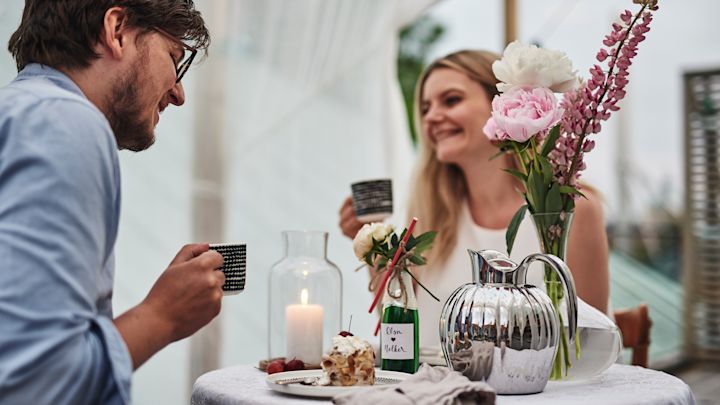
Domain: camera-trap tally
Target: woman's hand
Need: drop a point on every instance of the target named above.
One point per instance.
(349, 223)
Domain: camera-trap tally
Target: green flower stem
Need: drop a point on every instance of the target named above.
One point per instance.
(562, 356)
(519, 156)
(533, 148)
(555, 245)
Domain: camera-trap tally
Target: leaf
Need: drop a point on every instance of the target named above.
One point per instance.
(513, 227)
(550, 141)
(410, 243)
(553, 201)
(394, 240)
(417, 259)
(382, 262)
(424, 241)
(571, 190)
(391, 252)
(523, 146)
(402, 235)
(536, 191)
(379, 250)
(497, 155)
(547, 170)
(570, 205)
(522, 177)
(529, 195)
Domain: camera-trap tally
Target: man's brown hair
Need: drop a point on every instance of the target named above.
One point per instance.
(62, 33)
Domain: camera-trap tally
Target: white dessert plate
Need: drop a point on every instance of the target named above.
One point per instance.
(289, 383)
(432, 356)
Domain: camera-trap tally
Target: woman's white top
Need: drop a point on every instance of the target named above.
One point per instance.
(442, 280)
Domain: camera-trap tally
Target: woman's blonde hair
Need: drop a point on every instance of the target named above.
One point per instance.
(439, 189)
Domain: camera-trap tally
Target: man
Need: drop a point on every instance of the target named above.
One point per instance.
(94, 77)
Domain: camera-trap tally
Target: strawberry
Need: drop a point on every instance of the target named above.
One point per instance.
(277, 366)
(295, 364)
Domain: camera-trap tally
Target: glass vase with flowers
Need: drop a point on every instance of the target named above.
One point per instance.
(548, 139)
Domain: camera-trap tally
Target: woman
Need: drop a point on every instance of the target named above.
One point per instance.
(463, 194)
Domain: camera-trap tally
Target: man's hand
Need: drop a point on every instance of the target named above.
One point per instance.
(188, 294)
(185, 298)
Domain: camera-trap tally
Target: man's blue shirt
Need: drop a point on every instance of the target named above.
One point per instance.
(59, 213)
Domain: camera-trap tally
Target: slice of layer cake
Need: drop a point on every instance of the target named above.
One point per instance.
(351, 361)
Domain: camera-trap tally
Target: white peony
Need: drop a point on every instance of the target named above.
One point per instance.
(363, 241)
(530, 66)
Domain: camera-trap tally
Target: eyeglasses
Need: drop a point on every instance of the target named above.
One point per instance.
(182, 66)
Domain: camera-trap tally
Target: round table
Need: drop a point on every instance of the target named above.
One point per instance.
(619, 384)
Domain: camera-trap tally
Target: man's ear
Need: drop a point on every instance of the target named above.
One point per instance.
(114, 33)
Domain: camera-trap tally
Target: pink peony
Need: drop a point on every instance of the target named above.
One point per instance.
(490, 129)
(520, 113)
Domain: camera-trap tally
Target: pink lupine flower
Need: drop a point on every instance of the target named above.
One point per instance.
(593, 102)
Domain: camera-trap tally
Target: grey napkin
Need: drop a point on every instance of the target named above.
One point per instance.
(429, 386)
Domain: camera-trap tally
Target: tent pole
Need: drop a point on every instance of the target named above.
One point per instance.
(208, 179)
(510, 21)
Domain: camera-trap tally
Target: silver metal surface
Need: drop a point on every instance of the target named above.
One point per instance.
(501, 331)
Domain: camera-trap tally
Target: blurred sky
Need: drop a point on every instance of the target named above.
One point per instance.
(683, 38)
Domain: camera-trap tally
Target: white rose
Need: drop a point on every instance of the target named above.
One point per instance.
(380, 231)
(530, 66)
(363, 241)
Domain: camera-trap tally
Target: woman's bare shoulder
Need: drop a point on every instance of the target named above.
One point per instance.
(590, 209)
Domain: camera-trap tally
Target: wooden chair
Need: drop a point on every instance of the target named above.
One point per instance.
(634, 324)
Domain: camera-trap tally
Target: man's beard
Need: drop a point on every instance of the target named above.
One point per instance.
(125, 113)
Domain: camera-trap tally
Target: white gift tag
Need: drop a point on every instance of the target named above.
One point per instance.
(397, 341)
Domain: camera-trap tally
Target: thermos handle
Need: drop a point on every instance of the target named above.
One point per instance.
(565, 276)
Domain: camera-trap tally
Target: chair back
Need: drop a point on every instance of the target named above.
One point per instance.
(634, 324)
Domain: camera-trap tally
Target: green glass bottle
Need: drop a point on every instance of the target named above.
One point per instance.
(399, 347)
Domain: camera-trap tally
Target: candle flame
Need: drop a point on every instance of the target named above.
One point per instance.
(304, 296)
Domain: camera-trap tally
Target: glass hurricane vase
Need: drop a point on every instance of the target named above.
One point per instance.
(552, 231)
(598, 342)
(304, 299)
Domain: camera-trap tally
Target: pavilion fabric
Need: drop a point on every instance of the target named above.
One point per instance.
(297, 99)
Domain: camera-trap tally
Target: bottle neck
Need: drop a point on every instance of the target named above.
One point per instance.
(305, 244)
(403, 293)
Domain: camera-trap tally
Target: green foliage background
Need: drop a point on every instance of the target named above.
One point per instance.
(416, 41)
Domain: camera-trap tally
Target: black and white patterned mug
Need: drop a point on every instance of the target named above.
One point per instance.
(372, 199)
(234, 266)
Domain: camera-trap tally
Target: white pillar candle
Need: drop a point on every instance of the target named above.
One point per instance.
(304, 326)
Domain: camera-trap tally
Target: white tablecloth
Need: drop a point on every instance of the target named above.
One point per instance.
(618, 385)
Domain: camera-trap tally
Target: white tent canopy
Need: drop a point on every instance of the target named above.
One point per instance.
(297, 100)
